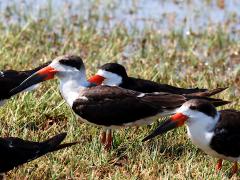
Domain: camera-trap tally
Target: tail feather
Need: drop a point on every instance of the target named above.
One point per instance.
(216, 102)
(55, 141)
(61, 146)
(53, 144)
(208, 93)
(220, 103)
(16, 151)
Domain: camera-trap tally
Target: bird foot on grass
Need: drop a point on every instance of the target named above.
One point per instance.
(103, 137)
(109, 140)
(234, 168)
(219, 165)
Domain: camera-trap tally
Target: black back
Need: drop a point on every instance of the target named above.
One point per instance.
(226, 140)
(10, 79)
(145, 86)
(116, 106)
(105, 105)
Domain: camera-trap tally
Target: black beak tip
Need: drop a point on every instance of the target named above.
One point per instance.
(32, 80)
(152, 135)
(14, 91)
(161, 129)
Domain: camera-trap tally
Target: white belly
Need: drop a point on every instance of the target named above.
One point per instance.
(202, 140)
(140, 122)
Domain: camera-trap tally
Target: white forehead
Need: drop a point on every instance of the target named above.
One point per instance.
(54, 62)
(185, 109)
(111, 79)
(61, 67)
(106, 74)
(56, 65)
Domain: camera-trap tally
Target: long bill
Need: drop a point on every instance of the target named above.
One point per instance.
(38, 77)
(175, 121)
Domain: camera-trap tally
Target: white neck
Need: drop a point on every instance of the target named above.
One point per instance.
(71, 85)
(200, 130)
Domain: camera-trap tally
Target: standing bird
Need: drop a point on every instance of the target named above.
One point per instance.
(106, 106)
(215, 132)
(114, 74)
(10, 79)
(15, 151)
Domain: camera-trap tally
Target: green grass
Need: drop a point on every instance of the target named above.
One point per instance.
(207, 60)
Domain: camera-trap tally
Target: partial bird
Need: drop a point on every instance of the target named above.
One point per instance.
(15, 151)
(114, 74)
(106, 106)
(215, 132)
(10, 79)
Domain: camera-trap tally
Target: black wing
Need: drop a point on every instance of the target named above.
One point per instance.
(9, 82)
(147, 86)
(10, 79)
(104, 105)
(226, 140)
(15, 151)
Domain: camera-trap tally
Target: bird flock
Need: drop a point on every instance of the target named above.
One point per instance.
(111, 99)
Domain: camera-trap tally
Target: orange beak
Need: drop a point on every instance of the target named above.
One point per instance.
(179, 118)
(175, 121)
(48, 72)
(96, 79)
(39, 76)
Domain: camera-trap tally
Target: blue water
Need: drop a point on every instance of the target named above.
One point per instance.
(162, 15)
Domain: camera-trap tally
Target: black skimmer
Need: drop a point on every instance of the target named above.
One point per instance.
(215, 132)
(15, 151)
(106, 106)
(114, 74)
(10, 79)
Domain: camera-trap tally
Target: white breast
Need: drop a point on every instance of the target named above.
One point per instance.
(69, 93)
(201, 138)
(201, 133)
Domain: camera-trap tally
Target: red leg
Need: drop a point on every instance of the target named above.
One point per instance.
(103, 137)
(219, 165)
(109, 140)
(234, 168)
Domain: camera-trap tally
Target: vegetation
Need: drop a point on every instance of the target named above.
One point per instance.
(207, 59)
